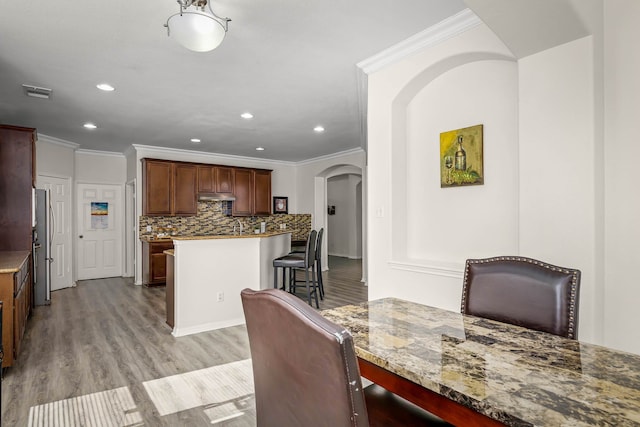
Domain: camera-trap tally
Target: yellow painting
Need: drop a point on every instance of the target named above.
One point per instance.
(461, 160)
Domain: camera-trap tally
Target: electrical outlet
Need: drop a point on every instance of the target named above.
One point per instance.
(220, 296)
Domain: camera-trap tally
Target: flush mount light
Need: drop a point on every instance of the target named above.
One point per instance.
(90, 126)
(195, 140)
(106, 87)
(259, 148)
(194, 28)
(246, 116)
(318, 129)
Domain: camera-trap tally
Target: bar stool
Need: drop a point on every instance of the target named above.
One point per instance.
(318, 261)
(293, 262)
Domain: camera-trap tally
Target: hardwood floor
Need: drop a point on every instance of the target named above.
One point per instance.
(102, 354)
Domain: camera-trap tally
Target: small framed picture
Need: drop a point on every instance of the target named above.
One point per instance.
(280, 205)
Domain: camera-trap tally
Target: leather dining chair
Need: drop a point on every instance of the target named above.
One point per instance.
(306, 371)
(524, 292)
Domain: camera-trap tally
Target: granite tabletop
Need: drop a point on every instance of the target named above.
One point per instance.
(11, 261)
(515, 375)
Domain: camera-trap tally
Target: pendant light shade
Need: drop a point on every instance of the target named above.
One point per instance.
(196, 30)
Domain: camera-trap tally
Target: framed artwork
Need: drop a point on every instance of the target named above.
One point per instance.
(280, 205)
(461, 157)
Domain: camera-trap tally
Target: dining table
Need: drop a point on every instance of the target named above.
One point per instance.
(472, 371)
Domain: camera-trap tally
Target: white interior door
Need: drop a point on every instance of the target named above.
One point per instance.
(99, 231)
(61, 267)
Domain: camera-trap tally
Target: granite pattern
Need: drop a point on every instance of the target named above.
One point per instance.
(213, 219)
(514, 375)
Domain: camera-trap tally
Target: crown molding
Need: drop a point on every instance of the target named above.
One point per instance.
(100, 153)
(438, 33)
(205, 154)
(358, 150)
(57, 141)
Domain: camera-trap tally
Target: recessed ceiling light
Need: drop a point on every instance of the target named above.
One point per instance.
(259, 148)
(195, 140)
(106, 87)
(318, 129)
(90, 126)
(246, 116)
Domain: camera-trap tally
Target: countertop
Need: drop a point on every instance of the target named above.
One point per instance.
(245, 235)
(515, 375)
(12, 261)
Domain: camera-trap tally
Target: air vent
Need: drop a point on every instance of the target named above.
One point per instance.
(37, 92)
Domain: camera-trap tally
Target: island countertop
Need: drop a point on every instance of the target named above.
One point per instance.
(11, 261)
(245, 235)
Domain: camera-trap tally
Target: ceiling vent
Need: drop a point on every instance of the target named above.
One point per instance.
(37, 92)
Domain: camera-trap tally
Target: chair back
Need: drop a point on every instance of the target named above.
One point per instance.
(524, 292)
(310, 250)
(319, 245)
(304, 366)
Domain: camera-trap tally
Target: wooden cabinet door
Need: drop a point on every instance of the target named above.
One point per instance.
(224, 179)
(206, 179)
(157, 182)
(184, 195)
(262, 192)
(158, 268)
(19, 319)
(243, 191)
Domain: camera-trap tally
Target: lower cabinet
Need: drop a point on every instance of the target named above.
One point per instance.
(154, 262)
(16, 291)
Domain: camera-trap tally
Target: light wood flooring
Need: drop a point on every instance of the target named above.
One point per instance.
(101, 354)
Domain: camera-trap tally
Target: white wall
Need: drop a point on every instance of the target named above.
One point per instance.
(54, 157)
(100, 167)
(343, 234)
(557, 161)
(572, 199)
(622, 151)
(418, 233)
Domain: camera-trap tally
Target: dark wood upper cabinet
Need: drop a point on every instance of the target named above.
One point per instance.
(157, 181)
(185, 192)
(169, 188)
(224, 179)
(206, 179)
(262, 192)
(243, 191)
(17, 178)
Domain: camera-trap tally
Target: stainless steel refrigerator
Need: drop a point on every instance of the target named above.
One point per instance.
(42, 240)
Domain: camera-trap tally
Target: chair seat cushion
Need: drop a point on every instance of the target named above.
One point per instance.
(289, 261)
(387, 409)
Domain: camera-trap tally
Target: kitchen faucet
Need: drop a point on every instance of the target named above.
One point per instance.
(241, 227)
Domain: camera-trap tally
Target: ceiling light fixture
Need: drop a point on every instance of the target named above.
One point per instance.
(90, 126)
(106, 87)
(318, 129)
(259, 148)
(246, 115)
(196, 140)
(195, 29)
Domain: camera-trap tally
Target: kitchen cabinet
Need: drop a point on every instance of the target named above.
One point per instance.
(215, 179)
(184, 190)
(17, 154)
(154, 262)
(15, 293)
(252, 189)
(243, 191)
(170, 188)
(262, 192)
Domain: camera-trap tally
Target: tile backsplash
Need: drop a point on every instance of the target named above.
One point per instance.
(212, 219)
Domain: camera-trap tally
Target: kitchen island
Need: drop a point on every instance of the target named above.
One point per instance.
(210, 271)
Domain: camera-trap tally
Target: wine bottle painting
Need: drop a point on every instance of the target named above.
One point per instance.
(461, 161)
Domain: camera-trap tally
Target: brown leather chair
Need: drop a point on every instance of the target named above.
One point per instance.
(524, 292)
(306, 372)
